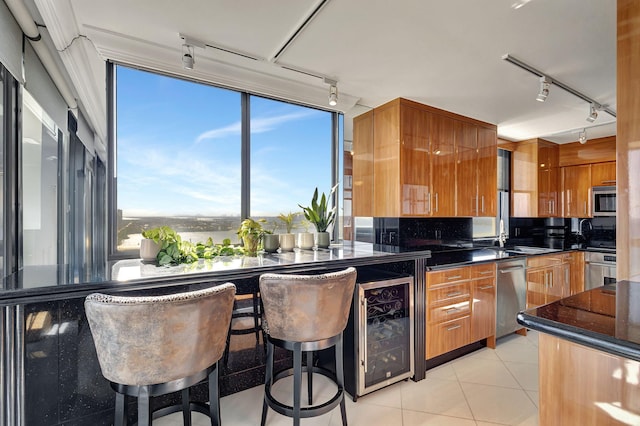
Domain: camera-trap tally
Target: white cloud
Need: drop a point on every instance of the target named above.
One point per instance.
(258, 125)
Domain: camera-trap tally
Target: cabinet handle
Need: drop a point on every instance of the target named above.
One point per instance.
(454, 294)
(486, 273)
(453, 327)
(451, 310)
(482, 198)
(486, 287)
(429, 202)
(454, 277)
(437, 209)
(550, 279)
(363, 317)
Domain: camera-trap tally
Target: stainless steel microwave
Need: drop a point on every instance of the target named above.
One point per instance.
(604, 201)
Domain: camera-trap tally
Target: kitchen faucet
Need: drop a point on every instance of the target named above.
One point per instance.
(502, 237)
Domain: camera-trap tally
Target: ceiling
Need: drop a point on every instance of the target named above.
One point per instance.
(445, 53)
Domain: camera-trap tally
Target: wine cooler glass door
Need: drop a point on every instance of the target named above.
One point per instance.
(386, 333)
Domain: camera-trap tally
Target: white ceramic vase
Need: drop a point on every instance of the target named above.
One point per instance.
(305, 240)
(149, 250)
(287, 242)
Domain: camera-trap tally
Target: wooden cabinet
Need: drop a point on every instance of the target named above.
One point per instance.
(548, 278)
(362, 168)
(487, 172)
(443, 166)
(535, 180)
(461, 304)
(576, 262)
(576, 191)
(414, 160)
(603, 174)
(483, 309)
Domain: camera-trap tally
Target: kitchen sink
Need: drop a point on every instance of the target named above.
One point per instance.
(524, 250)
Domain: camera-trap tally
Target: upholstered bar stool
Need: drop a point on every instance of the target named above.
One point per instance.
(151, 346)
(305, 313)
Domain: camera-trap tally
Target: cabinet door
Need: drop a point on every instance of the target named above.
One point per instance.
(483, 311)
(577, 272)
(537, 281)
(487, 172)
(447, 336)
(557, 281)
(466, 169)
(386, 167)
(415, 161)
(362, 188)
(443, 165)
(524, 180)
(548, 182)
(576, 191)
(603, 174)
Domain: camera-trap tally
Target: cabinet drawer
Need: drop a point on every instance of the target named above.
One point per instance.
(447, 276)
(546, 260)
(449, 294)
(447, 336)
(485, 270)
(455, 309)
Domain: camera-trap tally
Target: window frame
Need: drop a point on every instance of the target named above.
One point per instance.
(245, 208)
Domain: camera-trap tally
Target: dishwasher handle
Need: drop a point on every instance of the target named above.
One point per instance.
(511, 269)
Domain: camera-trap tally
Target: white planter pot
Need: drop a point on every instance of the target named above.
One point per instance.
(149, 250)
(304, 240)
(287, 242)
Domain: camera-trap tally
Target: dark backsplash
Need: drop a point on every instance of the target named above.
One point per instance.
(407, 234)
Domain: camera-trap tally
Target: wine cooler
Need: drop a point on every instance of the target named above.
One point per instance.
(379, 342)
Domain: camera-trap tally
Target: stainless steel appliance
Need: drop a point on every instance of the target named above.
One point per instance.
(383, 340)
(511, 295)
(604, 201)
(599, 268)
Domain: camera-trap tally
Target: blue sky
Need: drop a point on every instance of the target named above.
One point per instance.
(179, 149)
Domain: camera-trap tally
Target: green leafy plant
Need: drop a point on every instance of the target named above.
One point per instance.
(318, 212)
(288, 220)
(161, 234)
(251, 232)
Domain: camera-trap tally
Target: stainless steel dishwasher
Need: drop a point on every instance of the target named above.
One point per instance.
(512, 295)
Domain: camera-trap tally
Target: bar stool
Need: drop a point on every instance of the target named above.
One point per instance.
(155, 345)
(305, 313)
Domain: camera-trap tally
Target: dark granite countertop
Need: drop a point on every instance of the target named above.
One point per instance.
(605, 318)
(56, 282)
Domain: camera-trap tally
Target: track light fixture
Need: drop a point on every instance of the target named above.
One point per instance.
(593, 112)
(188, 58)
(582, 136)
(545, 83)
(333, 91)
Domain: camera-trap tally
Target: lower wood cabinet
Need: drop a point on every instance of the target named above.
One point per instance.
(461, 306)
(548, 278)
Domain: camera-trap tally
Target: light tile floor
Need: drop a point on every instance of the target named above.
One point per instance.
(486, 387)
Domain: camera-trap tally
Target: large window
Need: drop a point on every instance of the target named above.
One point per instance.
(290, 157)
(180, 159)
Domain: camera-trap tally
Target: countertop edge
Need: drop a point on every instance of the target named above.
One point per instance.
(577, 335)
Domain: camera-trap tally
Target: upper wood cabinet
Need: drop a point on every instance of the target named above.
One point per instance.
(576, 191)
(422, 161)
(362, 168)
(443, 166)
(603, 174)
(535, 179)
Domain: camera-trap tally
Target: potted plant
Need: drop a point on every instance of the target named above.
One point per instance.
(154, 239)
(287, 240)
(305, 239)
(251, 232)
(321, 216)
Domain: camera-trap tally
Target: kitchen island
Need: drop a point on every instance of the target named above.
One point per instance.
(589, 356)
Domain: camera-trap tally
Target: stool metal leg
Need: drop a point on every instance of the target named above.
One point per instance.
(186, 411)
(121, 410)
(214, 397)
(144, 407)
(340, 379)
(268, 380)
(297, 381)
(310, 376)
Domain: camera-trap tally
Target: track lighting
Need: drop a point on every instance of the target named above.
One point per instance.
(333, 91)
(582, 136)
(593, 113)
(188, 59)
(545, 83)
